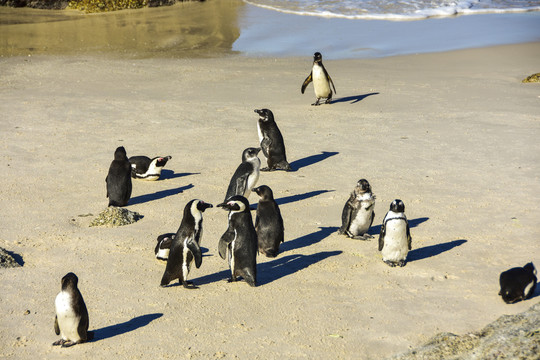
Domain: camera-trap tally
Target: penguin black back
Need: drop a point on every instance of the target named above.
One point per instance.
(119, 179)
(518, 283)
(271, 140)
(268, 222)
(246, 175)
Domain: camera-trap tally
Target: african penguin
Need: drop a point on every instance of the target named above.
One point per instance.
(142, 167)
(163, 246)
(239, 242)
(268, 222)
(246, 175)
(71, 321)
(271, 141)
(119, 179)
(321, 81)
(358, 212)
(185, 246)
(395, 238)
(518, 283)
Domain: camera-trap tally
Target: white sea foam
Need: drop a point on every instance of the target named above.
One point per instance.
(395, 9)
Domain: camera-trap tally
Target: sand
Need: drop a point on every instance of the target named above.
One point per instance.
(454, 135)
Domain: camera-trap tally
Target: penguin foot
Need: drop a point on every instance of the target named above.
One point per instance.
(266, 169)
(402, 263)
(390, 263)
(69, 343)
(328, 101)
(317, 103)
(59, 342)
(189, 285)
(363, 237)
(230, 280)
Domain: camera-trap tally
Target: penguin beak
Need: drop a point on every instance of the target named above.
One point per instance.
(258, 149)
(203, 206)
(256, 190)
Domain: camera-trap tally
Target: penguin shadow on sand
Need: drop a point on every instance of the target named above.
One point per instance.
(353, 99)
(169, 174)
(125, 327)
(307, 240)
(312, 159)
(293, 198)
(433, 250)
(158, 195)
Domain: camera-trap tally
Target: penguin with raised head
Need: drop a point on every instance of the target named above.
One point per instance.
(119, 179)
(321, 81)
(163, 246)
(268, 222)
(358, 212)
(239, 242)
(185, 247)
(518, 283)
(246, 175)
(271, 141)
(71, 320)
(395, 238)
(144, 168)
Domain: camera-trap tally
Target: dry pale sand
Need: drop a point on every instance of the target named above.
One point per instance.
(454, 135)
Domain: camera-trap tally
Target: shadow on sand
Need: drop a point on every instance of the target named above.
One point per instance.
(169, 174)
(433, 250)
(125, 327)
(293, 198)
(308, 239)
(312, 159)
(158, 195)
(353, 99)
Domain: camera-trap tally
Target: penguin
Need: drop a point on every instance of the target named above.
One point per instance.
(119, 179)
(395, 238)
(142, 167)
(185, 245)
(271, 141)
(71, 320)
(246, 175)
(358, 212)
(239, 241)
(321, 81)
(268, 222)
(518, 283)
(163, 246)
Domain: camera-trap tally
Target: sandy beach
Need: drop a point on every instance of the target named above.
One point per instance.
(452, 134)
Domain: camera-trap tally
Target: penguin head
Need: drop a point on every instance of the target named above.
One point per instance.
(362, 186)
(201, 205)
(164, 241)
(161, 161)
(265, 114)
(530, 268)
(120, 153)
(250, 154)
(70, 280)
(235, 204)
(264, 192)
(397, 206)
(317, 57)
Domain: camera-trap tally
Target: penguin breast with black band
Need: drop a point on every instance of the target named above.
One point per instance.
(518, 283)
(395, 238)
(268, 222)
(142, 167)
(239, 242)
(358, 213)
(271, 141)
(246, 175)
(185, 247)
(71, 321)
(321, 81)
(119, 179)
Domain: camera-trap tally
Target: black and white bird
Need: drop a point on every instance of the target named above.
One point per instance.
(246, 175)
(395, 238)
(144, 168)
(321, 81)
(359, 211)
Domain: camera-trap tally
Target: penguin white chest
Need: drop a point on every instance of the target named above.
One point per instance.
(259, 131)
(321, 84)
(68, 320)
(253, 177)
(396, 245)
(362, 221)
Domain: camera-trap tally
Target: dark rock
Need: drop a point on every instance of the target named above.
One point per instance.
(9, 260)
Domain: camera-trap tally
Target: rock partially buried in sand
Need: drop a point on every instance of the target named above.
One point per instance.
(515, 336)
(532, 78)
(115, 216)
(6, 260)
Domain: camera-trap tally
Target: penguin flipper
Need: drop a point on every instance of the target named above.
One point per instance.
(345, 218)
(265, 147)
(56, 327)
(307, 81)
(196, 251)
(381, 237)
(224, 242)
(409, 239)
(329, 79)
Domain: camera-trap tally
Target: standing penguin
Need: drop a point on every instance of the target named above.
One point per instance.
(142, 167)
(163, 246)
(119, 179)
(185, 245)
(268, 222)
(271, 141)
(246, 175)
(321, 81)
(518, 283)
(240, 241)
(358, 212)
(71, 321)
(395, 238)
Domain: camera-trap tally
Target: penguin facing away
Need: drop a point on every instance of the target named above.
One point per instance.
(142, 167)
(246, 175)
(71, 320)
(271, 141)
(163, 246)
(239, 242)
(185, 246)
(119, 179)
(518, 283)
(321, 81)
(358, 213)
(395, 238)
(268, 222)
